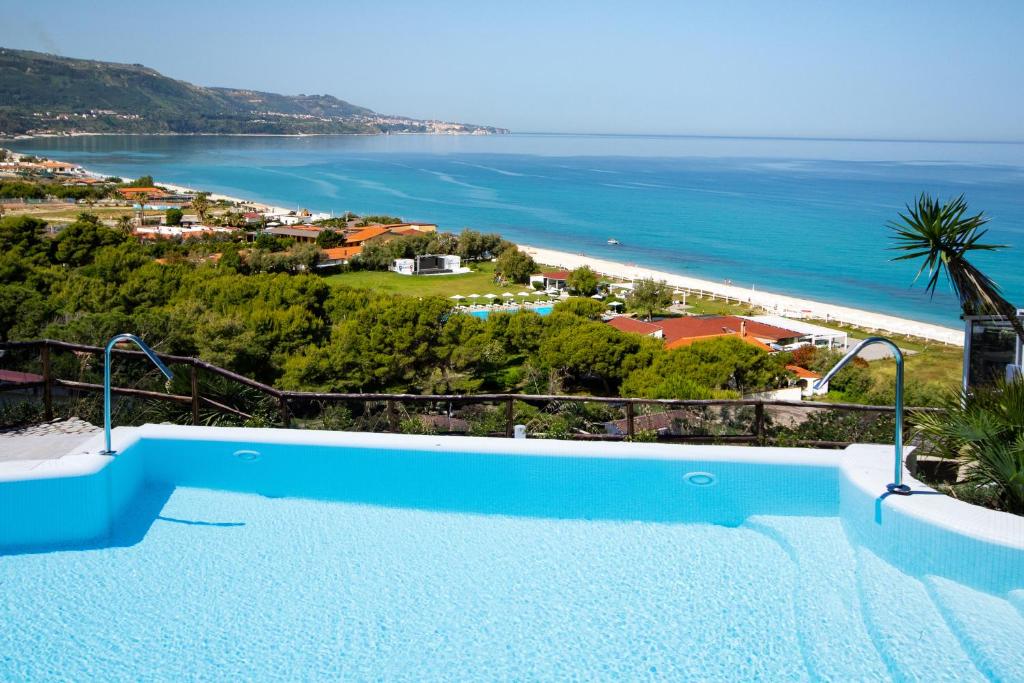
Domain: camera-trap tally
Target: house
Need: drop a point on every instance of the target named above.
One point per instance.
(805, 379)
(370, 235)
(300, 233)
(626, 324)
(337, 256)
(677, 332)
(558, 279)
(135, 193)
(59, 167)
(428, 264)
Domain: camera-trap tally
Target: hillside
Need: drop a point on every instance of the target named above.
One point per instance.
(42, 93)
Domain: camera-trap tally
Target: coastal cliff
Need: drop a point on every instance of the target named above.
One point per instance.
(43, 94)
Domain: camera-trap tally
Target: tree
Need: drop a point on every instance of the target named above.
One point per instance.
(124, 223)
(584, 308)
(78, 243)
(650, 296)
(173, 216)
(142, 181)
(724, 363)
(942, 235)
(330, 238)
(590, 353)
(201, 205)
(582, 281)
(514, 266)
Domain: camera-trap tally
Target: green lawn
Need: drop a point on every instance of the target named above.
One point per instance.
(480, 281)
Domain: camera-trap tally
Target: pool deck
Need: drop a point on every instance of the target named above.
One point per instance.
(46, 441)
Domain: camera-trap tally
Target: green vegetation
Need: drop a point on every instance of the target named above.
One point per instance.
(649, 297)
(984, 432)
(514, 266)
(582, 281)
(267, 317)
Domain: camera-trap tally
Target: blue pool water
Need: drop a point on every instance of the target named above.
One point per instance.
(539, 310)
(803, 217)
(299, 562)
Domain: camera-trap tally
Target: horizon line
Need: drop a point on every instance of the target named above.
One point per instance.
(823, 138)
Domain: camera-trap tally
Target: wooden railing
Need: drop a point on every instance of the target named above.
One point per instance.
(195, 399)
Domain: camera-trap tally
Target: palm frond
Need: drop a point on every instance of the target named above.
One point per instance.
(942, 235)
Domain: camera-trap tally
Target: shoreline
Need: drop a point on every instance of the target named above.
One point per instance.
(781, 304)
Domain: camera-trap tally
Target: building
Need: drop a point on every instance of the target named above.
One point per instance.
(677, 332)
(815, 335)
(370, 235)
(133, 193)
(337, 256)
(558, 279)
(805, 379)
(627, 324)
(299, 233)
(428, 264)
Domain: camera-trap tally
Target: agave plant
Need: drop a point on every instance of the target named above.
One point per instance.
(943, 235)
(984, 431)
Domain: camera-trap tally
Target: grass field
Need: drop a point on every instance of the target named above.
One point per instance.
(67, 213)
(480, 281)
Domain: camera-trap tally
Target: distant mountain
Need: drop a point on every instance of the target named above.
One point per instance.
(42, 93)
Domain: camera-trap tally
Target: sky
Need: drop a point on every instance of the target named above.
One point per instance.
(931, 70)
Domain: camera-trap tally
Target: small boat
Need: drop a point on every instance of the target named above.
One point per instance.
(614, 242)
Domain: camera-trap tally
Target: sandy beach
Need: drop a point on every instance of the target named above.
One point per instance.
(779, 304)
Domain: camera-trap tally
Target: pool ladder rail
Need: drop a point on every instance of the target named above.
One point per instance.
(897, 486)
(116, 339)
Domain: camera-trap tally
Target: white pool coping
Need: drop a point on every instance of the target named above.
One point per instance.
(865, 467)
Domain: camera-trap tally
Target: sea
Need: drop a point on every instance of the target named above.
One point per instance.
(806, 217)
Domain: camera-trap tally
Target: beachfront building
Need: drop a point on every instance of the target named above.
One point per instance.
(678, 332)
(374, 234)
(557, 279)
(815, 335)
(428, 264)
(299, 233)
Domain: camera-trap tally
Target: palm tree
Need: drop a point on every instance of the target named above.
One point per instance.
(124, 223)
(943, 235)
(201, 205)
(143, 198)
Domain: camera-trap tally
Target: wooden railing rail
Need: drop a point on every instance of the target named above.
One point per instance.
(391, 400)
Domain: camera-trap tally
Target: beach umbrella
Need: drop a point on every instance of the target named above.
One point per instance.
(597, 296)
(473, 296)
(457, 297)
(507, 294)
(525, 294)
(616, 304)
(491, 296)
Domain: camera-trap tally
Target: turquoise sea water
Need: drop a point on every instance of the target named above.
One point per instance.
(804, 217)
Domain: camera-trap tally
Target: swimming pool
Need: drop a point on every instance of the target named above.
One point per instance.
(252, 554)
(540, 310)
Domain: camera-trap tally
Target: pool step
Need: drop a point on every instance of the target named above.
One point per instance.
(907, 627)
(989, 627)
(837, 644)
(1016, 599)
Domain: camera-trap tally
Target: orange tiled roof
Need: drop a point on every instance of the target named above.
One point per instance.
(633, 325)
(803, 372)
(557, 275)
(339, 253)
(135, 190)
(368, 234)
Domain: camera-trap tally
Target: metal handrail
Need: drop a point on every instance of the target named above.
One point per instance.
(106, 379)
(897, 486)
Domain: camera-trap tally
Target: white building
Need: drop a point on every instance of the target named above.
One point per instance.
(429, 264)
(815, 335)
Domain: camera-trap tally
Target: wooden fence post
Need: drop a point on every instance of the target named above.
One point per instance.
(630, 426)
(510, 417)
(195, 393)
(392, 416)
(44, 356)
(759, 424)
(286, 418)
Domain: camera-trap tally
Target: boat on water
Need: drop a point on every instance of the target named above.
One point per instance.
(612, 241)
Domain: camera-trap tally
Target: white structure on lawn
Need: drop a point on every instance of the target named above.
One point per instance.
(429, 264)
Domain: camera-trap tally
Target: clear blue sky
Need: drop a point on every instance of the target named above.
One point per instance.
(933, 69)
